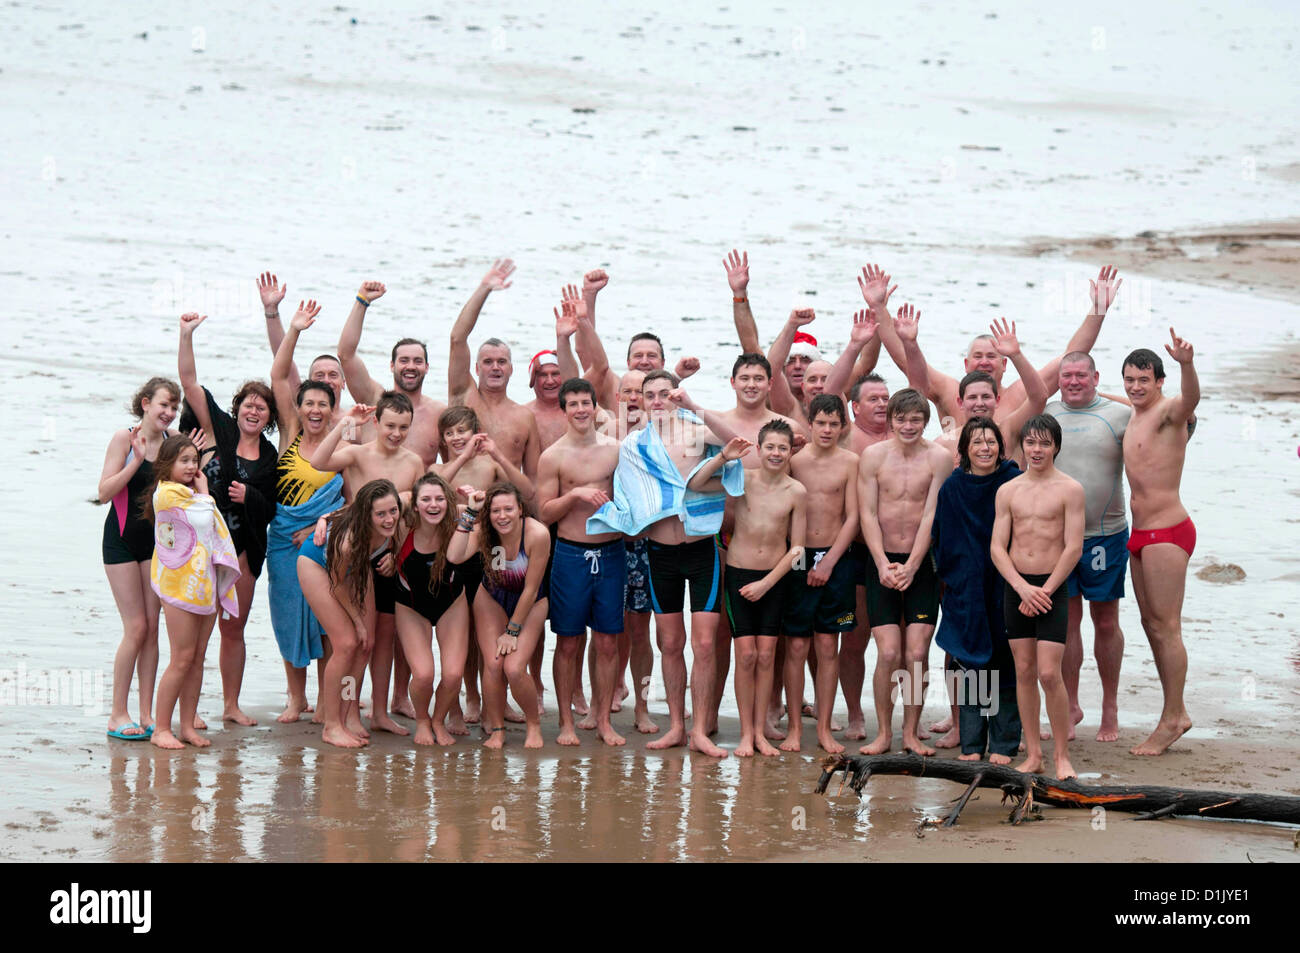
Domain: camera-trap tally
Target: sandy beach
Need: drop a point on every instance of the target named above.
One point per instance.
(168, 163)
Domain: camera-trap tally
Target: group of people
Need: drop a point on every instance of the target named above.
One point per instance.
(794, 531)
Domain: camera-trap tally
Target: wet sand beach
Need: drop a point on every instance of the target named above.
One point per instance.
(162, 174)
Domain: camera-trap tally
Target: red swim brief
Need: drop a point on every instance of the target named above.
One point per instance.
(1183, 535)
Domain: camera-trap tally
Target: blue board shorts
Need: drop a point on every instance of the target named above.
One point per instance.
(1099, 574)
(587, 583)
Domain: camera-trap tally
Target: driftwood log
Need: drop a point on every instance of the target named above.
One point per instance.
(1147, 802)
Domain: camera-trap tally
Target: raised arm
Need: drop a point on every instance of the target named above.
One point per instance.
(363, 388)
(566, 324)
(118, 470)
(781, 397)
(464, 541)
(460, 384)
(736, 448)
(272, 293)
(737, 265)
(189, 375)
(876, 292)
(1103, 292)
(845, 370)
(920, 376)
(329, 456)
(283, 388)
(1008, 345)
(718, 431)
(1184, 404)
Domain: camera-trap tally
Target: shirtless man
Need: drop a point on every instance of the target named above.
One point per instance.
(898, 487)
(384, 458)
(1092, 452)
(1037, 539)
(511, 425)
(869, 398)
(983, 354)
(588, 570)
(550, 369)
(772, 510)
(820, 376)
(1155, 445)
(681, 560)
(820, 597)
(409, 366)
(977, 392)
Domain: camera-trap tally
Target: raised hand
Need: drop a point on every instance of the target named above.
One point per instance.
(801, 316)
(498, 276)
(906, 322)
(272, 292)
(875, 287)
(737, 265)
(305, 316)
(1004, 337)
(864, 327)
(371, 290)
(190, 320)
(686, 367)
(360, 413)
(198, 438)
(473, 495)
(1182, 349)
(138, 446)
(593, 281)
(569, 293)
(1105, 289)
(681, 398)
(566, 320)
(736, 448)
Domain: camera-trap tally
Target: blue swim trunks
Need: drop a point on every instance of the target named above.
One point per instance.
(1100, 571)
(587, 583)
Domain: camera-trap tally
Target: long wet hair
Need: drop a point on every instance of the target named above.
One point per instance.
(168, 454)
(355, 524)
(443, 529)
(488, 538)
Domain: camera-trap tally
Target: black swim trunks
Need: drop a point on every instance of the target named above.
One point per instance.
(673, 568)
(828, 608)
(1048, 627)
(762, 617)
(916, 605)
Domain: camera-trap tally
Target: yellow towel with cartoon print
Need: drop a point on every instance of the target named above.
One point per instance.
(194, 561)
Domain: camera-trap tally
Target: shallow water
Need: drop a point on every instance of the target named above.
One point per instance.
(159, 174)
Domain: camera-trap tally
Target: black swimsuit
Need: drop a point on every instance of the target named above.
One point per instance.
(413, 592)
(128, 536)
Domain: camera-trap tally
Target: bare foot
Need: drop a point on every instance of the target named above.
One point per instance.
(792, 742)
(968, 757)
(645, 725)
(703, 745)
(495, 739)
(762, 746)
(745, 749)
(568, 737)
(942, 725)
(200, 724)
(354, 727)
(1031, 765)
(1064, 769)
(579, 703)
(914, 746)
(424, 734)
(192, 737)
(807, 710)
(835, 724)
(1109, 730)
(513, 714)
(473, 711)
(922, 733)
(165, 739)
(857, 730)
(771, 729)
(443, 736)
(238, 717)
(588, 723)
(533, 736)
(403, 707)
(673, 738)
(880, 746)
(384, 723)
(620, 693)
(456, 724)
(999, 758)
(612, 737)
(950, 739)
(292, 712)
(341, 738)
(317, 718)
(829, 744)
(1164, 735)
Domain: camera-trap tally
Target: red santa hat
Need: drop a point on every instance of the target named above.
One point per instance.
(540, 360)
(805, 345)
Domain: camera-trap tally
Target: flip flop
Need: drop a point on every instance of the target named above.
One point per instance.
(117, 733)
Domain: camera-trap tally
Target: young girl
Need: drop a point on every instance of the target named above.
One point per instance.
(508, 613)
(336, 581)
(194, 570)
(431, 593)
(128, 550)
(242, 475)
(302, 495)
